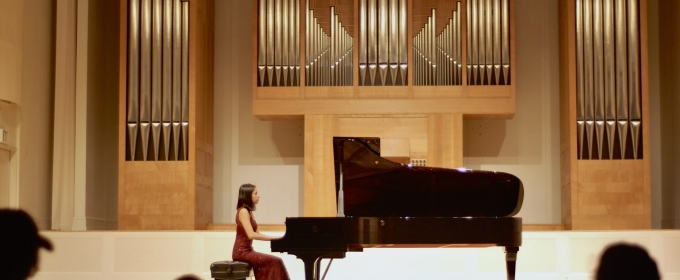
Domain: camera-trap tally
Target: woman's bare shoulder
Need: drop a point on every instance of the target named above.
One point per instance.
(244, 211)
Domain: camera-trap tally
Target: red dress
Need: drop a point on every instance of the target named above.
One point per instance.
(265, 267)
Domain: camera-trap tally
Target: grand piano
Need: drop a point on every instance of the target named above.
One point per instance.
(382, 203)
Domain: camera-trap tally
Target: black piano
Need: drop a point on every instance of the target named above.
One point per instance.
(382, 203)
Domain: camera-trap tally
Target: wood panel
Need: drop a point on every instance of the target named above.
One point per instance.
(445, 140)
(123, 221)
(278, 93)
(384, 127)
(542, 227)
(439, 92)
(155, 195)
(611, 195)
(201, 88)
(470, 107)
(568, 148)
(384, 92)
(319, 193)
(336, 92)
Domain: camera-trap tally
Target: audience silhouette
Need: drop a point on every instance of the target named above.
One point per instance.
(623, 261)
(188, 277)
(19, 245)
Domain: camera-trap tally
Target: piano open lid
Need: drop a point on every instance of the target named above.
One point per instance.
(375, 186)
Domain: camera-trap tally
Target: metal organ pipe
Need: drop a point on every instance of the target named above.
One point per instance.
(145, 78)
(580, 99)
(166, 117)
(156, 54)
(157, 76)
(608, 74)
(185, 80)
(133, 78)
(176, 76)
(609, 77)
(634, 76)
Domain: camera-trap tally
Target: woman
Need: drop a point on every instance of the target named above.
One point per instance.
(266, 267)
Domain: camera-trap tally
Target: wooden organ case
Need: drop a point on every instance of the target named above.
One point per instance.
(406, 71)
(604, 99)
(166, 115)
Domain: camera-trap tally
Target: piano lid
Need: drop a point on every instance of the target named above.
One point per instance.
(375, 186)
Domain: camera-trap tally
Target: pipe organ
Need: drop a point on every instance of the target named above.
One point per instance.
(407, 71)
(382, 42)
(488, 48)
(329, 46)
(391, 36)
(278, 43)
(604, 114)
(157, 86)
(608, 109)
(165, 153)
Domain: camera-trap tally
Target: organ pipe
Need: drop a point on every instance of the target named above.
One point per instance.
(608, 75)
(157, 73)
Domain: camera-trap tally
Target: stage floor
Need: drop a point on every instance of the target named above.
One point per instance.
(166, 255)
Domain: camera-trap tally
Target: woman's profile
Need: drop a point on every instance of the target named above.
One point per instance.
(265, 267)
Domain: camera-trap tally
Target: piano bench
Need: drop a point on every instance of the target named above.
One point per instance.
(229, 270)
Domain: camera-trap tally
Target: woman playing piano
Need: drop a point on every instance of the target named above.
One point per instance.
(265, 267)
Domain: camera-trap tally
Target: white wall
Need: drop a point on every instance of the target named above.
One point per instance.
(527, 145)
(571, 255)
(102, 115)
(268, 154)
(36, 120)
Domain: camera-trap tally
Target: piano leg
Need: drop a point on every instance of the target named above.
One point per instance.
(312, 263)
(510, 261)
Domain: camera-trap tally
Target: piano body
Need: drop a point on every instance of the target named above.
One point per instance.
(386, 204)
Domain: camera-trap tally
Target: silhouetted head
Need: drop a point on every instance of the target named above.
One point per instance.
(19, 244)
(188, 277)
(245, 197)
(623, 261)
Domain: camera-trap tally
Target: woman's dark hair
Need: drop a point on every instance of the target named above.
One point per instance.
(622, 261)
(245, 197)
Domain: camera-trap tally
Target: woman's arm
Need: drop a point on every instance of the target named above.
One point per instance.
(244, 218)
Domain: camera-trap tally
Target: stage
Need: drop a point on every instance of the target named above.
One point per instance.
(166, 255)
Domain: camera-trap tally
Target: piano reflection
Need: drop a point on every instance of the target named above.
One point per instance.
(382, 203)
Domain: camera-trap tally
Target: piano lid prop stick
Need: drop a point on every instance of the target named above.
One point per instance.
(341, 197)
(327, 267)
(341, 194)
